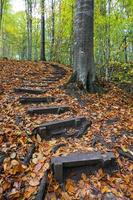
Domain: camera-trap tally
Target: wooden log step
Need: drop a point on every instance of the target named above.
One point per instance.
(58, 68)
(50, 79)
(43, 187)
(60, 73)
(29, 90)
(28, 156)
(28, 100)
(34, 85)
(47, 81)
(48, 110)
(59, 128)
(2, 156)
(79, 159)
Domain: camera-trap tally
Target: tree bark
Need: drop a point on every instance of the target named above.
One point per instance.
(28, 4)
(125, 49)
(84, 67)
(71, 36)
(42, 56)
(1, 11)
(53, 30)
(108, 39)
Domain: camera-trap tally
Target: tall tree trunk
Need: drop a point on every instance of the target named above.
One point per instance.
(71, 36)
(28, 4)
(59, 38)
(53, 30)
(125, 49)
(108, 38)
(30, 30)
(35, 46)
(83, 45)
(108, 29)
(1, 28)
(1, 11)
(42, 56)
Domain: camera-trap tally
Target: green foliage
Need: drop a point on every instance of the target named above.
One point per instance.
(116, 26)
(121, 72)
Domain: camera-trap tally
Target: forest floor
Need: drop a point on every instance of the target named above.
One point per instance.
(112, 120)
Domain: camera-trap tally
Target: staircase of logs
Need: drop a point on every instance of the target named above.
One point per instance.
(39, 103)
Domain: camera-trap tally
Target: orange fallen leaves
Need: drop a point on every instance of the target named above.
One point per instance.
(105, 189)
(38, 167)
(17, 169)
(15, 139)
(34, 182)
(6, 185)
(29, 191)
(65, 196)
(14, 194)
(70, 186)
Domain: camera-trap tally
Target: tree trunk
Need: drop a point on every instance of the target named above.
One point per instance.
(42, 56)
(35, 46)
(71, 36)
(28, 5)
(58, 43)
(1, 28)
(53, 30)
(125, 49)
(1, 11)
(108, 39)
(83, 44)
(30, 30)
(108, 29)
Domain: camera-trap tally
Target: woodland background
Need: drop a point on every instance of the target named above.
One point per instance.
(113, 34)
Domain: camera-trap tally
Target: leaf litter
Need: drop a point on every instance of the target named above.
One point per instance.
(112, 119)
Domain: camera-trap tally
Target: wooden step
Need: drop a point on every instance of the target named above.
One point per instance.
(79, 159)
(47, 80)
(28, 100)
(29, 90)
(34, 85)
(50, 79)
(59, 128)
(48, 110)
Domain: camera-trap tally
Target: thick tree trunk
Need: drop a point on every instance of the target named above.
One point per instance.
(83, 45)
(42, 56)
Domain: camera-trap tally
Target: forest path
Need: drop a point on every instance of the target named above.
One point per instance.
(24, 158)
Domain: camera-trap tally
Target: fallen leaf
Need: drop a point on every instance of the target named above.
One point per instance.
(14, 194)
(65, 196)
(29, 191)
(38, 167)
(105, 189)
(70, 187)
(14, 162)
(17, 169)
(39, 139)
(13, 155)
(34, 182)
